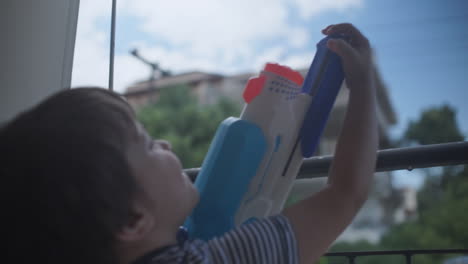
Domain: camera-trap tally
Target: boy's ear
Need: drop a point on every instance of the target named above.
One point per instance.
(138, 226)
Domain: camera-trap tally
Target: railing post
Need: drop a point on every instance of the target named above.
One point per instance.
(408, 258)
(351, 259)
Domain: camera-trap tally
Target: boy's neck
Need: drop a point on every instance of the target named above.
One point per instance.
(132, 251)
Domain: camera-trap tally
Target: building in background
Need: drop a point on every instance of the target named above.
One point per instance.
(209, 87)
(384, 202)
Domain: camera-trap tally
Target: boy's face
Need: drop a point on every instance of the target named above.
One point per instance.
(159, 172)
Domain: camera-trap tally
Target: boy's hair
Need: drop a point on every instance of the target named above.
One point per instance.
(66, 182)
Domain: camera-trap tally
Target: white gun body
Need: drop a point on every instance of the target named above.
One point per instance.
(279, 111)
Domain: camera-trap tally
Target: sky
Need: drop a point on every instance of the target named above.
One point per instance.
(420, 46)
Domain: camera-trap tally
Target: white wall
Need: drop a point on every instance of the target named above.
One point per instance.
(37, 40)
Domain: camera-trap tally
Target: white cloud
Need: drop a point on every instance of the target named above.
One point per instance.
(299, 37)
(90, 65)
(215, 35)
(210, 35)
(299, 61)
(90, 62)
(224, 24)
(273, 54)
(308, 8)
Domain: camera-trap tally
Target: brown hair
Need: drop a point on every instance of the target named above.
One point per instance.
(65, 177)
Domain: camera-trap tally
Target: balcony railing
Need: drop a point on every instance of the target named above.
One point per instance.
(407, 254)
(447, 154)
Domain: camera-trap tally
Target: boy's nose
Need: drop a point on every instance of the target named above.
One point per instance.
(164, 144)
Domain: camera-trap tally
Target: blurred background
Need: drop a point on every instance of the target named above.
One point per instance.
(183, 65)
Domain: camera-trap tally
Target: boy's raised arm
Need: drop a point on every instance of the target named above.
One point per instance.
(317, 221)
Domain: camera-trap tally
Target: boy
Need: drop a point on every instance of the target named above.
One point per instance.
(84, 183)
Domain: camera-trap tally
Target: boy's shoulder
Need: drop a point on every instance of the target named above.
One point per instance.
(268, 240)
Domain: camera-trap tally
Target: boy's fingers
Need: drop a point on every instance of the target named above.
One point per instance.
(356, 37)
(342, 48)
(325, 30)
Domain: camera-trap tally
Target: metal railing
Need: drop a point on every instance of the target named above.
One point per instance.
(410, 158)
(112, 45)
(446, 154)
(407, 254)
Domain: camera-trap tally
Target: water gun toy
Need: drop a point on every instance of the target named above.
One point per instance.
(253, 160)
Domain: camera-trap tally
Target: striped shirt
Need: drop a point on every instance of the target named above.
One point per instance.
(270, 240)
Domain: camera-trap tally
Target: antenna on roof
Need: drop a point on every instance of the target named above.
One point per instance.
(155, 69)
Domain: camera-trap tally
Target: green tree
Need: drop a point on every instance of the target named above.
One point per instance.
(436, 125)
(189, 126)
(441, 224)
(442, 201)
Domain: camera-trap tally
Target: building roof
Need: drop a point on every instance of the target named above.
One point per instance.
(193, 77)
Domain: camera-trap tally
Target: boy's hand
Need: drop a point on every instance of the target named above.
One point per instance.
(318, 220)
(355, 55)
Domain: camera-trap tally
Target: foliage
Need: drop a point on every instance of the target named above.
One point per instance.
(190, 127)
(442, 201)
(436, 125)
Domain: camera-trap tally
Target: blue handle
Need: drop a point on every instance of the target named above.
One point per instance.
(231, 163)
(323, 82)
